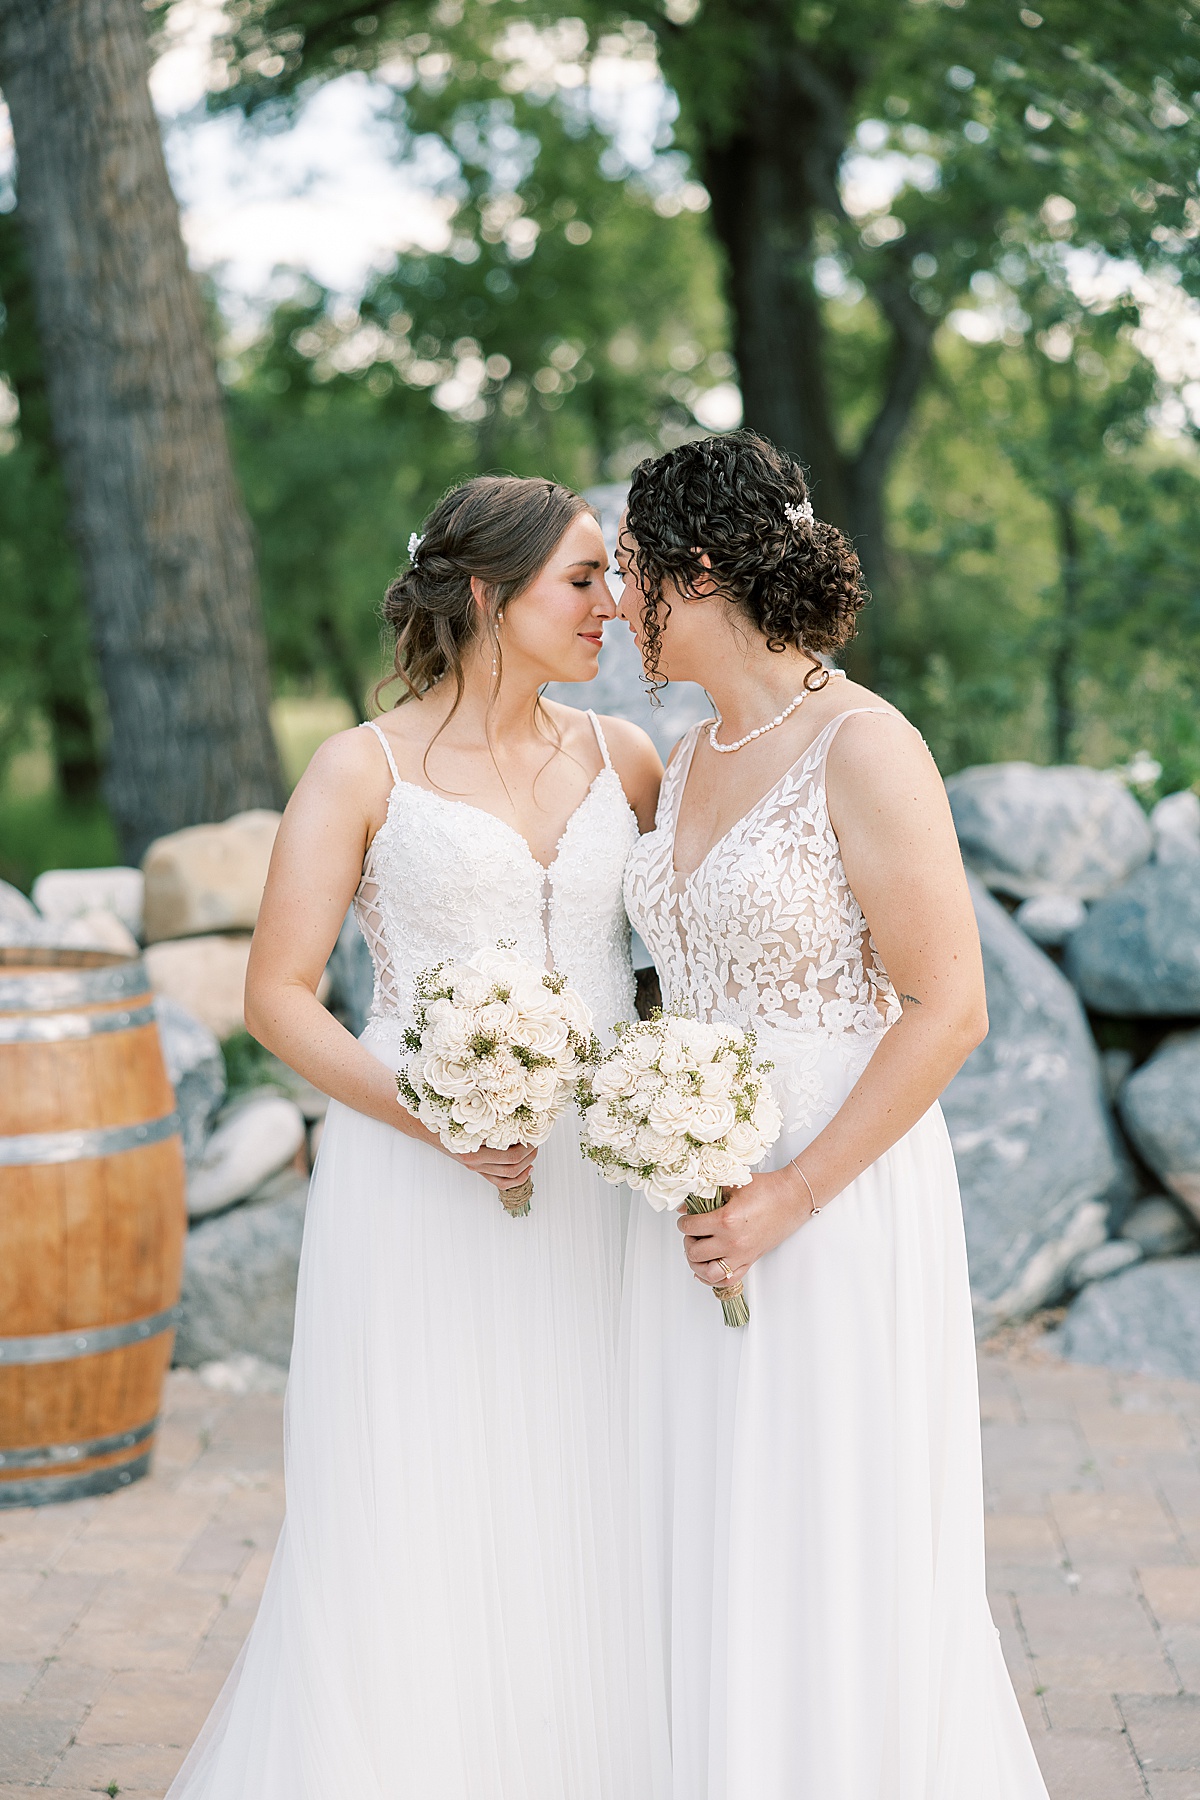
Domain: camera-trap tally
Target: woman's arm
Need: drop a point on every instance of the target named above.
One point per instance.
(315, 869)
(901, 857)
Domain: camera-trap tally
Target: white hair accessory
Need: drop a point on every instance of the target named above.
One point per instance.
(416, 539)
(799, 515)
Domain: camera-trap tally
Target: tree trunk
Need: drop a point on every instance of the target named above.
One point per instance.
(164, 543)
(61, 675)
(768, 180)
(778, 330)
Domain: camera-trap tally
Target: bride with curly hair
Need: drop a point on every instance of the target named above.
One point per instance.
(808, 1490)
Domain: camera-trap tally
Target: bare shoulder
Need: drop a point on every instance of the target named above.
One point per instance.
(349, 772)
(346, 757)
(878, 757)
(629, 744)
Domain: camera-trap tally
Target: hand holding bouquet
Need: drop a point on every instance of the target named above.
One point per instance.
(679, 1110)
(498, 1046)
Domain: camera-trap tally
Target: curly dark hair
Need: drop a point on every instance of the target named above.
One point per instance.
(797, 580)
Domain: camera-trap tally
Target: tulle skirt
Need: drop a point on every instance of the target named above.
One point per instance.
(808, 1494)
(446, 1616)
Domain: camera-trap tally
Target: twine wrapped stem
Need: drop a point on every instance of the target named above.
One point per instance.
(515, 1200)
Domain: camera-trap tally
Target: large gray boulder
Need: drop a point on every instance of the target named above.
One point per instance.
(195, 1069)
(1027, 830)
(1160, 1107)
(239, 1279)
(1035, 1150)
(1146, 1321)
(1138, 954)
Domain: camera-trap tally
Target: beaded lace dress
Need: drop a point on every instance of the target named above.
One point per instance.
(442, 878)
(446, 1614)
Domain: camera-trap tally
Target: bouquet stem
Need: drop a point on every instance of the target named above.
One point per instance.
(515, 1200)
(733, 1304)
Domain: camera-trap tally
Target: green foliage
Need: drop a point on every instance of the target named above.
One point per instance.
(567, 348)
(1044, 591)
(1003, 127)
(1048, 603)
(44, 831)
(249, 1066)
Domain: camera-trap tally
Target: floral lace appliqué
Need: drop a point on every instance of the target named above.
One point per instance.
(766, 931)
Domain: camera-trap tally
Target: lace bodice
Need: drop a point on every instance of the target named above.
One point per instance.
(443, 878)
(766, 930)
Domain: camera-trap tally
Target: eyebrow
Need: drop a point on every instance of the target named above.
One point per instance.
(587, 563)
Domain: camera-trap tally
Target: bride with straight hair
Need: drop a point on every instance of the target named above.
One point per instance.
(808, 1489)
(445, 1615)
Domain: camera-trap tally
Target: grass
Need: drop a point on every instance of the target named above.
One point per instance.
(41, 831)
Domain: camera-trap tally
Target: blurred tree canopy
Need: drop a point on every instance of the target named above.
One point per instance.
(913, 234)
(991, 127)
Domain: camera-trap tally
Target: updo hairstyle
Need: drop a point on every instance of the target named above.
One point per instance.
(797, 580)
(500, 528)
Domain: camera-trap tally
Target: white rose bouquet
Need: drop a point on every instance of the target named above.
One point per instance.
(498, 1046)
(679, 1110)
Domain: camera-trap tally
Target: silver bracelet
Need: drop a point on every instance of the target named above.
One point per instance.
(808, 1184)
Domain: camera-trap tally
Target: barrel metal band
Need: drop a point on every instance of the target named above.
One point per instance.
(50, 990)
(75, 1146)
(90, 1340)
(47, 1490)
(48, 1455)
(57, 1028)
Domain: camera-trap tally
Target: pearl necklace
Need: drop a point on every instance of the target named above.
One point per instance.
(761, 730)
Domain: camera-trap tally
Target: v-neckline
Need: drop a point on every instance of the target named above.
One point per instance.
(677, 878)
(482, 811)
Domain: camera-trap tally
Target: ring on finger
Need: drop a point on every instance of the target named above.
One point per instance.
(722, 1264)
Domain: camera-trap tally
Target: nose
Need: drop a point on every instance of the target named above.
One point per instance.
(606, 606)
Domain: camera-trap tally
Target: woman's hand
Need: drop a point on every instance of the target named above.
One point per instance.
(754, 1219)
(503, 1168)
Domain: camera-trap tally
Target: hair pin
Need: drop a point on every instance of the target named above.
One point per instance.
(416, 539)
(799, 515)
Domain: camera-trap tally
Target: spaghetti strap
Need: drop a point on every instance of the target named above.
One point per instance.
(370, 725)
(830, 730)
(600, 740)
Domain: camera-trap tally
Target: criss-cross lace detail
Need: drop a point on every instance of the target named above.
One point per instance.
(765, 930)
(443, 878)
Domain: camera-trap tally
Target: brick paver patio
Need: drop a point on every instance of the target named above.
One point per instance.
(119, 1617)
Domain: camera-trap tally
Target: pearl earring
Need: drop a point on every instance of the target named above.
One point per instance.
(495, 668)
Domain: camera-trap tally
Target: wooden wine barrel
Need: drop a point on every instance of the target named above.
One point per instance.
(92, 1222)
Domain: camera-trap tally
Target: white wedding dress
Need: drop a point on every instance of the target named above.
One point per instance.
(808, 1490)
(445, 1615)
